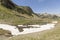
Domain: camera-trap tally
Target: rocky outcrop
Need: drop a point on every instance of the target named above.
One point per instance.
(8, 4)
(46, 15)
(25, 10)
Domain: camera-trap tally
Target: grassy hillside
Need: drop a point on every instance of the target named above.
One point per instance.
(9, 16)
(20, 9)
(11, 13)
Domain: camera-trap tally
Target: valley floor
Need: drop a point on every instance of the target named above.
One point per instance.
(53, 34)
(26, 31)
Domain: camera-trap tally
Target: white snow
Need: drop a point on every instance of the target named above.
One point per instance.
(35, 25)
(54, 22)
(42, 28)
(15, 30)
(20, 25)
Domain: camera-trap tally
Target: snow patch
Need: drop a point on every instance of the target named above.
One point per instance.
(14, 30)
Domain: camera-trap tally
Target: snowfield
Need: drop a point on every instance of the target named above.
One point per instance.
(14, 30)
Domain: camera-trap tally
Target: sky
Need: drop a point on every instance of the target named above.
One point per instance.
(41, 6)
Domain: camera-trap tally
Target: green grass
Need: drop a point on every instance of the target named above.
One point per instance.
(10, 17)
(13, 17)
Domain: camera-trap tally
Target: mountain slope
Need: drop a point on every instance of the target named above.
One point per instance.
(21, 9)
(49, 16)
(11, 13)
